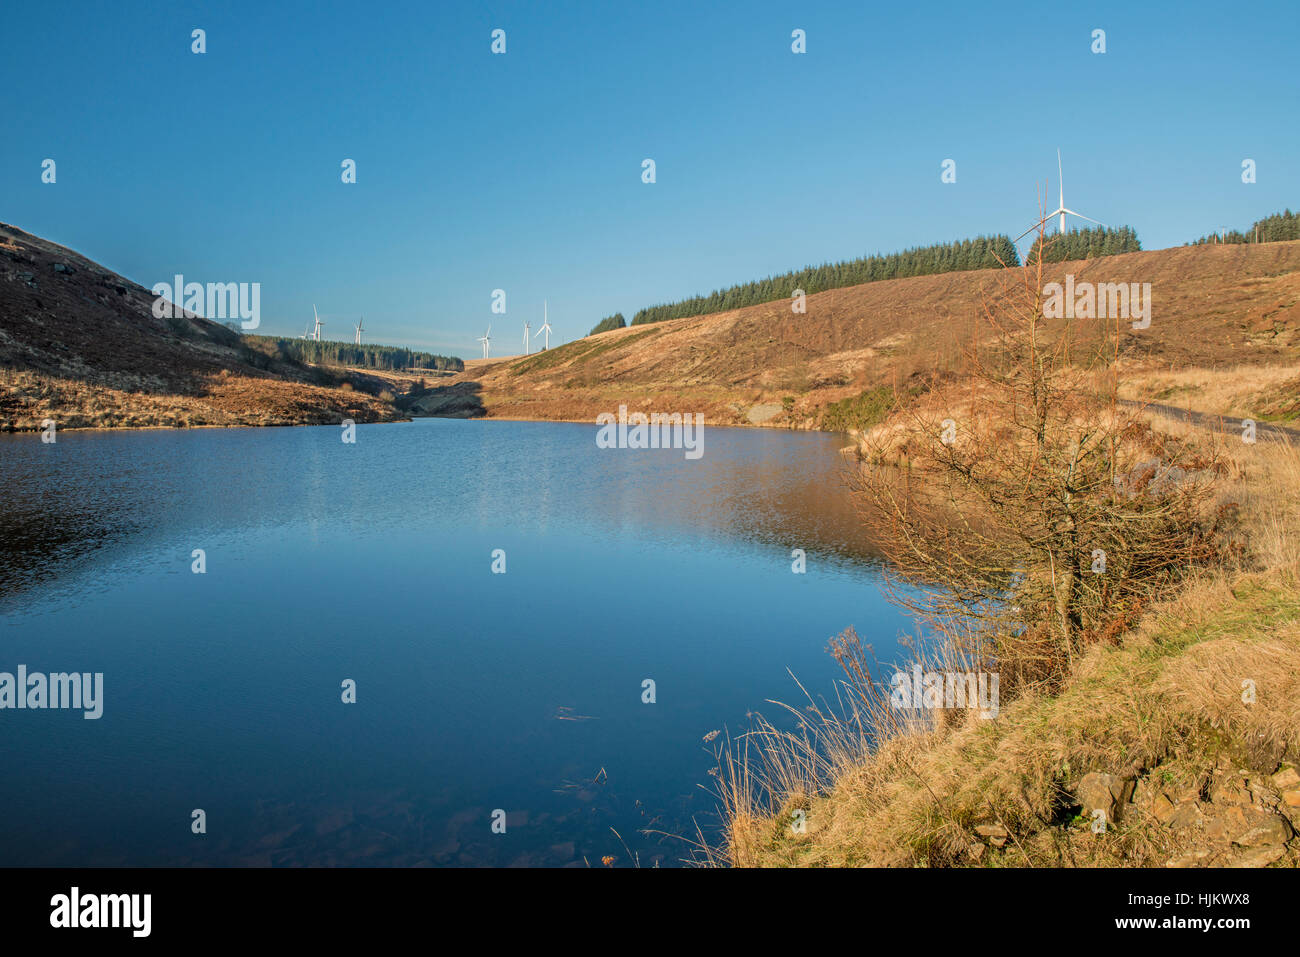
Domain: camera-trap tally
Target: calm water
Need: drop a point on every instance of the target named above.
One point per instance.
(373, 562)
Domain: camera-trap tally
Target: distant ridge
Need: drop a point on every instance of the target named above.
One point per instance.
(80, 345)
(1213, 306)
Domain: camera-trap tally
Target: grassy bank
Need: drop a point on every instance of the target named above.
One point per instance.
(1150, 705)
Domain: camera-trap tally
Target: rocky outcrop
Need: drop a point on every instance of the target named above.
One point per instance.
(1231, 817)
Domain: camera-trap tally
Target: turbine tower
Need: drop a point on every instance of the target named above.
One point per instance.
(545, 331)
(1061, 209)
(486, 339)
(525, 337)
(316, 334)
(360, 330)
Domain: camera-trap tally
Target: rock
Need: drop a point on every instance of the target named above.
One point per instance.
(1189, 791)
(763, 412)
(975, 851)
(995, 834)
(1163, 808)
(1185, 815)
(1292, 798)
(1260, 856)
(1230, 789)
(1264, 829)
(1104, 792)
(1226, 824)
(1286, 779)
(64, 267)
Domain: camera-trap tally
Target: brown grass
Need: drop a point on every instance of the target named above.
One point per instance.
(1165, 700)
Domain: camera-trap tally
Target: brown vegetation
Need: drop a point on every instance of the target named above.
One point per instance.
(1215, 307)
(80, 345)
(994, 493)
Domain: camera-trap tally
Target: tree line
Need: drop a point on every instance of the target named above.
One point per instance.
(1086, 244)
(1271, 229)
(982, 252)
(364, 356)
(615, 321)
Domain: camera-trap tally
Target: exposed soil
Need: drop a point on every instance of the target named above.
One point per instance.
(80, 344)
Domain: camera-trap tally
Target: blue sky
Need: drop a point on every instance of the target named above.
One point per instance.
(523, 171)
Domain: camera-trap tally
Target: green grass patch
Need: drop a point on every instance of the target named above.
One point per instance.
(858, 412)
(551, 358)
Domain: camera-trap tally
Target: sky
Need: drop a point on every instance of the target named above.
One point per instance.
(522, 171)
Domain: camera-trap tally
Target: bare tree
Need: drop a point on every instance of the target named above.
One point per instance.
(1023, 500)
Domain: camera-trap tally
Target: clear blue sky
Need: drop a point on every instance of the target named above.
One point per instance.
(523, 171)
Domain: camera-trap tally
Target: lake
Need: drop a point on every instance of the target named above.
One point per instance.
(476, 691)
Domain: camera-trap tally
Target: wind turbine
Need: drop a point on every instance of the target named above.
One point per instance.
(545, 331)
(525, 337)
(316, 334)
(1060, 210)
(486, 339)
(360, 330)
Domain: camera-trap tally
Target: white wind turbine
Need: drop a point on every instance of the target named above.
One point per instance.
(486, 339)
(316, 334)
(545, 331)
(360, 330)
(525, 337)
(1060, 210)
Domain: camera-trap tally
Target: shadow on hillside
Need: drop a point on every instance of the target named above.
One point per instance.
(459, 401)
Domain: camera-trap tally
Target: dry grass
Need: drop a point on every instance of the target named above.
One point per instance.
(1163, 700)
(114, 401)
(1242, 391)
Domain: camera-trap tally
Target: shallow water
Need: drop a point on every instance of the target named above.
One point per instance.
(373, 562)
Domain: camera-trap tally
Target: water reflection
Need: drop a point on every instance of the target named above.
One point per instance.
(372, 562)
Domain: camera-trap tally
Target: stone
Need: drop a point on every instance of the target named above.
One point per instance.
(1163, 808)
(1104, 792)
(1264, 829)
(1292, 798)
(1185, 815)
(1286, 779)
(1226, 824)
(995, 834)
(975, 851)
(1189, 791)
(1230, 790)
(1260, 856)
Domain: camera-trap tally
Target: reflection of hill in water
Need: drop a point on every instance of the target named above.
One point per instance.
(782, 489)
(93, 496)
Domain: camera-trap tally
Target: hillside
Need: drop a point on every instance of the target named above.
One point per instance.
(79, 344)
(1214, 307)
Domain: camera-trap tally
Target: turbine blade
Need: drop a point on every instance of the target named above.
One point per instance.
(1060, 176)
(1081, 216)
(1033, 227)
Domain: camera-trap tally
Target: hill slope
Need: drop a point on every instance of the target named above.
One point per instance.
(80, 344)
(1213, 307)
